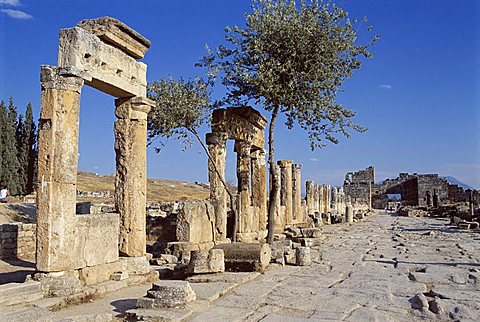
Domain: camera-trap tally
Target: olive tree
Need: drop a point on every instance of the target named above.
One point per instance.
(291, 58)
(181, 108)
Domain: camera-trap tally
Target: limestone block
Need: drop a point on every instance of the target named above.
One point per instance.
(203, 261)
(245, 256)
(96, 240)
(135, 265)
(290, 257)
(116, 33)
(195, 222)
(167, 294)
(59, 283)
(302, 255)
(112, 70)
(311, 232)
(119, 276)
(100, 273)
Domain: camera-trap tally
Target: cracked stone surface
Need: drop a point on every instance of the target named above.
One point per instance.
(383, 268)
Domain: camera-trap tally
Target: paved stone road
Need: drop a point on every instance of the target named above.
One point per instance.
(384, 268)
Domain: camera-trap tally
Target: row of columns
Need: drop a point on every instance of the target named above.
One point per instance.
(251, 203)
(318, 198)
(57, 171)
(290, 208)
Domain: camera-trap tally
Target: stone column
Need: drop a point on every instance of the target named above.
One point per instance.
(131, 176)
(259, 192)
(286, 189)
(57, 170)
(279, 218)
(297, 211)
(319, 198)
(243, 179)
(310, 189)
(218, 195)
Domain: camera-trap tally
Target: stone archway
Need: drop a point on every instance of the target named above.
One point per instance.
(101, 53)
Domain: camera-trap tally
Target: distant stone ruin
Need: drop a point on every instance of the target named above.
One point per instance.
(101, 53)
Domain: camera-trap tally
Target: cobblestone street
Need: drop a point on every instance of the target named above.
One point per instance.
(384, 268)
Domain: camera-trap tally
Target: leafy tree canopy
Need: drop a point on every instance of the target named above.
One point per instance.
(292, 58)
(181, 108)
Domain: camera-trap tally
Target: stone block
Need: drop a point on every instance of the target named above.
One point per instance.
(135, 265)
(203, 261)
(290, 257)
(195, 222)
(119, 276)
(167, 294)
(96, 240)
(302, 255)
(117, 34)
(100, 273)
(111, 70)
(311, 232)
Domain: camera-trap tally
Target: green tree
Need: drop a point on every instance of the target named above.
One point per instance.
(292, 58)
(30, 144)
(181, 108)
(10, 164)
(21, 156)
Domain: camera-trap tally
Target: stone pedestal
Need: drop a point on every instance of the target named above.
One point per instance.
(218, 195)
(131, 176)
(57, 170)
(167, 294)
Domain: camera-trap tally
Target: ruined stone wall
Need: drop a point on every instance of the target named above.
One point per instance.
(358, 186)
(17, 241)
(457, 193)
(435, 185)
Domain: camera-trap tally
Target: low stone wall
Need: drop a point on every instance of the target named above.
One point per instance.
(17, 241)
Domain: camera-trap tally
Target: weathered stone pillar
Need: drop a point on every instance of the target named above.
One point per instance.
(286, 189)
(297, 211)
(319, 198)
(131, 176)
(279, 218)
(259, 192)
(310, 189)
(218, 195)
(57, 170)
(243, 179)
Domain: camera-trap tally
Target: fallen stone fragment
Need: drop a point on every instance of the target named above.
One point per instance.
(246, 257)
(302, 256)
(167, 294)
(206, 261)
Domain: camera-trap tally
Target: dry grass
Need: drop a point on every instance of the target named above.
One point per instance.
(157, 189)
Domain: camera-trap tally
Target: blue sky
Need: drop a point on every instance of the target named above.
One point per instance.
(419, 95)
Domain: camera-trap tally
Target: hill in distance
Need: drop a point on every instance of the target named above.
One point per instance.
(157, 189)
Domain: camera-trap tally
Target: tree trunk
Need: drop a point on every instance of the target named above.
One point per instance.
(232, 202)
(274, 183)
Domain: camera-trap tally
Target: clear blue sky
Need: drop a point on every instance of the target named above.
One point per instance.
(419, 95)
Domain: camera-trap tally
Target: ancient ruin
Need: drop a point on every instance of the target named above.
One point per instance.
(102, 53)
(358, 186)
(246, 127)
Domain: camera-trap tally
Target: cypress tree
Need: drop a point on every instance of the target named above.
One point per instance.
(3, 120)
(31, 152)
(22, 149)
(10, 163)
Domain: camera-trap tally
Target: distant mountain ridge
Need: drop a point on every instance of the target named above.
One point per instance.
(453, 180)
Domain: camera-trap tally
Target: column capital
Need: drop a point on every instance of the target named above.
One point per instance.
(52, 77)
(284, 163)
(296, 166)
(133, 108)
